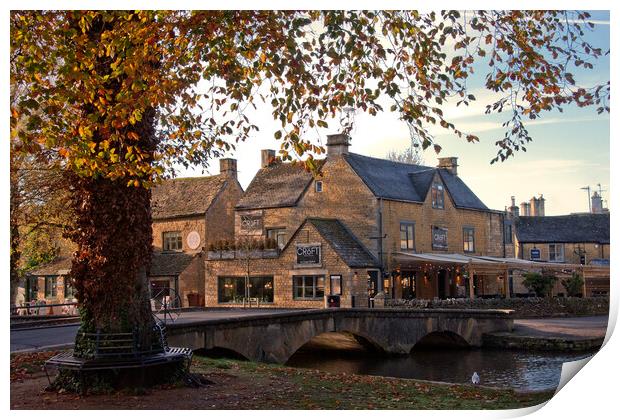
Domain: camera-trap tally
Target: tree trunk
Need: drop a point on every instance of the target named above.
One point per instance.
(15, 253)
(113, 234)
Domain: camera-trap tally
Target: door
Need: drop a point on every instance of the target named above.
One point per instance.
(442, 275)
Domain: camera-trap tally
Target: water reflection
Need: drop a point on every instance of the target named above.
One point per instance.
(525, 371)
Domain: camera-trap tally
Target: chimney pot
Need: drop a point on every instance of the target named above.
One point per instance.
(448, 163)
(228, 167)
(337, 144)
(266, 157)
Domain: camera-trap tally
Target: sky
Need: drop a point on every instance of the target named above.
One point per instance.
(570, 150)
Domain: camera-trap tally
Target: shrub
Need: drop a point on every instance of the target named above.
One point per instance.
(573, 285)
(540, 284)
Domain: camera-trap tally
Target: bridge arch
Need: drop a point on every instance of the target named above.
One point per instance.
(442, 338)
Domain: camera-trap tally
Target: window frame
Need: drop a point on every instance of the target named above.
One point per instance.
(318, 186)
(473, 239)
(436, 188)
(304, 286)
(279, 232)
(267, 279)
(335, 279)
(557, 246)
(166, 238)
(407, 225)
(51, 288)
(68, 286)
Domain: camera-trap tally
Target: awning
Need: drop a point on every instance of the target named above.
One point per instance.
(479, 262)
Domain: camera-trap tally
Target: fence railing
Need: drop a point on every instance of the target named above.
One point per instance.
(27, 309)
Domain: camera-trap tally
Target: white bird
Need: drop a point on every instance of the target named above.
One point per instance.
(475, 378)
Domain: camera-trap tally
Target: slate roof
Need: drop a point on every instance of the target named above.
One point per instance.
(60, 266)
(572, 228)
(162, 264)
(408, 182)
(185, 196)
(170, 263)
(344, 242)
(278, 185)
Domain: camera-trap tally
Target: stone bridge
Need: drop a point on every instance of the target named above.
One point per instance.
(273, 338)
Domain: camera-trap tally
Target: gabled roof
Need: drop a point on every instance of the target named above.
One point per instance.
(185, 196)
(278, 185)
(170, 263)
(408, 182)
(572, 228)
(344, 242)
(59, 266)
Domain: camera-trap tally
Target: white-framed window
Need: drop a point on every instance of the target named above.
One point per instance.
(437, 195)
(468, 239)
(172, 241)
(556, 252)
(318, 186)
(407, 230)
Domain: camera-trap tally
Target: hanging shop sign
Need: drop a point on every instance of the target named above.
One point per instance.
(534, 254)
(308, 254)
(440, 238)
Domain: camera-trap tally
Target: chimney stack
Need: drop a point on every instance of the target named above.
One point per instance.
(448, 163)
(228, 168)
(525, 209)
(513, 210)
(597, 203)
(537, 206)
(266, 157)
(337, 144)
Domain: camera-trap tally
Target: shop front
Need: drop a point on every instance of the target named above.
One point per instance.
(322, 265)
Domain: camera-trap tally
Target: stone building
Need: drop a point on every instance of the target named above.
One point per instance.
(578, 239)
(411, 219)
(188, 213)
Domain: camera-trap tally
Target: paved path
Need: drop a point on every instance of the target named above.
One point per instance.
(579, 327)
(59, 336)
(51, 337)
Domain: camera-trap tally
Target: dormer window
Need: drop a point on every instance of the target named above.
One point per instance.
(437, 195)
(318, 186)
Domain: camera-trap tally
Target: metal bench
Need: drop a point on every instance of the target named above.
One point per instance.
(121, 351)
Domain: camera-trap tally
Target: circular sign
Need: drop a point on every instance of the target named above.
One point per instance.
(193, 239)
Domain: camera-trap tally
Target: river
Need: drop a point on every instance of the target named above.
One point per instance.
(520, 370)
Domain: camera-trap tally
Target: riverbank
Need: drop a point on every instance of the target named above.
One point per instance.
(248, 385)
(532, 307)
(567, 334)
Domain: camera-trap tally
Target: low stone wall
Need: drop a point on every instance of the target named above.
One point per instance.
(523, 307)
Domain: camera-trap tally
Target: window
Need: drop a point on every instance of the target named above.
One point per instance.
(437, 195)
(231, 289)
(69, 289)
(335, 284)
(172, 241)
(406, 235)
(308, 287)
(508, 232)
(468, 239)
(318, 186)
(50, 286)
(278, 235)
(31, 288)
(556, 252)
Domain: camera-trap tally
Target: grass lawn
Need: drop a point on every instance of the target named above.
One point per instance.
(249, 385)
